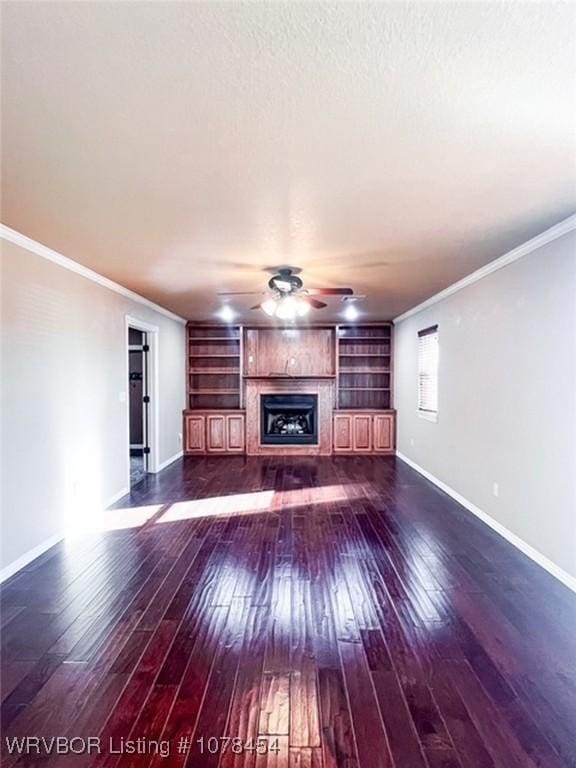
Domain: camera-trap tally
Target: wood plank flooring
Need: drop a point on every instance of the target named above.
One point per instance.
(294, 613)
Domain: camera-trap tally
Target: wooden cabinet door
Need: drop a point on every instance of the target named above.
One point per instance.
(384, 432)
(362, 432)
(194, 434)
(235, 433)
(343, 433)
(216, 433)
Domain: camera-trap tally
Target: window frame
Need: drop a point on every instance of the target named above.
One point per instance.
(427, 413)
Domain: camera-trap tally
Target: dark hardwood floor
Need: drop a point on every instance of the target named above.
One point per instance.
(343, 611)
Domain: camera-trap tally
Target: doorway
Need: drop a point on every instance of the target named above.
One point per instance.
(139, 400)
(142, 361)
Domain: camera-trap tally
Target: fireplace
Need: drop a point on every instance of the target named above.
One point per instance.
(289, 419)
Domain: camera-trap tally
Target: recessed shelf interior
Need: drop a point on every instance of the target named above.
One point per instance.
(364, 372)
(214, 366)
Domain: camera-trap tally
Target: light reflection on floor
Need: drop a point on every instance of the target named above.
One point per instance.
(130, 517)
(237, 503)
(259, 502)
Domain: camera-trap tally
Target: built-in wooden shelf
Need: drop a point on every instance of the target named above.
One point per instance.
(196, 339)
(364, 367)
(217, 372)
(228, 367)
(213, 391)
(365, 370)
(214, 371)
(215, 354)
(377, 339)
(209, 371)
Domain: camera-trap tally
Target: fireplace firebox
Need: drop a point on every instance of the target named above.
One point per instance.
(289, 419)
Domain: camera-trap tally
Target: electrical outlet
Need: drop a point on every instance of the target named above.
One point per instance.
(412, 441)
(179, 437)
(121, 397)
(495, 489)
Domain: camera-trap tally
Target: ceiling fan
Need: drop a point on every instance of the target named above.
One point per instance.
(287, 297)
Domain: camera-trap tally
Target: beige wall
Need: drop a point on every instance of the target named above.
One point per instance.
(64, 427)
(507, 397)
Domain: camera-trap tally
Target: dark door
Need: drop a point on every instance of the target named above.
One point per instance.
(138, 395)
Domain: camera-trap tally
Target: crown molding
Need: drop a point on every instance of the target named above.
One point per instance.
(558, 230)
(12, 236)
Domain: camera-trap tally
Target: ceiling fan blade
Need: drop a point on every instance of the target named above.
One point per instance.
(313, 302)
(330, 291)
(256, 306)
(239, 293)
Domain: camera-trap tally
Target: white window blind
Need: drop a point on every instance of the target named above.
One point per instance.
(428, 370)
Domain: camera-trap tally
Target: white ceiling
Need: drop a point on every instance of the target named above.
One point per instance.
(179, 148)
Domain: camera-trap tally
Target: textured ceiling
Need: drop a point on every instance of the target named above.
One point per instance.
(179, 148)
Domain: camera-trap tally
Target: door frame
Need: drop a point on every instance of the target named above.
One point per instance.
(145, 415)
(152, 332)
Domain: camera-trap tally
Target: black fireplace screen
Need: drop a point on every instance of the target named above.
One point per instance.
(289, 419)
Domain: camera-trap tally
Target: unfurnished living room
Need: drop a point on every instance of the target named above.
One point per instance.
(288, 384)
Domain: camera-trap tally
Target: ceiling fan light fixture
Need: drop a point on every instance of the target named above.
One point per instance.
(351, 313)
(270, 306)
(287, 308)
(282, 285)
(302, 307)
(288, 300)
(226, 313)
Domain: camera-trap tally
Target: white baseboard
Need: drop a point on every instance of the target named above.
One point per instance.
(560, 574)
(116, 497)
(169, 461)
(27, 557)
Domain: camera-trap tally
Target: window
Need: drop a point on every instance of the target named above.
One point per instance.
(428, 372)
